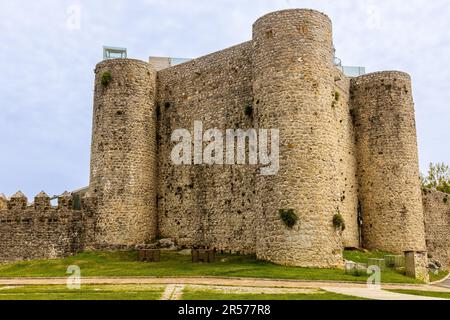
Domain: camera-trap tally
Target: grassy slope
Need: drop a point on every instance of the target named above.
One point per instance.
(87, 292)
(440, 276)
(173, 264)
(445, 295)
(214, 295)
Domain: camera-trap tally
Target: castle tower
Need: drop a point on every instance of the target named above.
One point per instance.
(123, 152)
(388, 169)
(293, 92)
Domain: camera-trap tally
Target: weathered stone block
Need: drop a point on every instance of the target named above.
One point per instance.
(416, 264)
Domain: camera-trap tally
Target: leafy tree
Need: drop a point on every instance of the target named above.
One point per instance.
(438, 177)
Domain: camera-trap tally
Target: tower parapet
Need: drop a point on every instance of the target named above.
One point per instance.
(293, 86)
(388, 166)
(123, 154)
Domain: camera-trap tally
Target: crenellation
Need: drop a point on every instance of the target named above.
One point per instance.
(3, 202)
(17, 201)
(42, 202)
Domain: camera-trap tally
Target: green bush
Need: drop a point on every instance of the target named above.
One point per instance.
(106, 78)
(338, 221)
(288, 217)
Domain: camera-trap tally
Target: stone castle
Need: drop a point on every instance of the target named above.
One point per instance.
(348, 149)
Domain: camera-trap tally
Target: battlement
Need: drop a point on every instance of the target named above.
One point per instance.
(42, 202)
(39, 230)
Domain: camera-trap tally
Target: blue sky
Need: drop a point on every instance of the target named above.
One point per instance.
(47, 60)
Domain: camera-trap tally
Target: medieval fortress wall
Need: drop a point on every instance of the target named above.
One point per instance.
(340, 140)
(347, 146)
(40, 231)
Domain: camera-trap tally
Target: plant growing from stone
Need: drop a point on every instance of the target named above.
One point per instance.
(289, 217)
(106, 78)
(338, 221)
(337, 95)
(248, 110)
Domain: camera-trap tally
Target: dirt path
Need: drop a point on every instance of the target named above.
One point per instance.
(376, 294)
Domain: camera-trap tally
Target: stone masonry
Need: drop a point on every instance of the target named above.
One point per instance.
(388, 165)
(40, 231)
(348, 148)
(436, 207)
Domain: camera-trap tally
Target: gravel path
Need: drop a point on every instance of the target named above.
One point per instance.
(376, 294)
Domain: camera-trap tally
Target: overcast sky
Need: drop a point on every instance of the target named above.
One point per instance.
(47, 57)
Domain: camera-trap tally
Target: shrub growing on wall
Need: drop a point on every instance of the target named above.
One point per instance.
(338, 222)
(288, 217)
(106, 78)
(248, 110)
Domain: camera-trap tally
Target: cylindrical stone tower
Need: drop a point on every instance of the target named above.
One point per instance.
(388, 166)
(293, 92)
(123, 152)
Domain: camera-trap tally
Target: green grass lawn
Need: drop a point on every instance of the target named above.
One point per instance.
(173, 264)
(445, 295)
(190, 294)
(87, 292)
(148, 292)
(362, 257)
(440, 276)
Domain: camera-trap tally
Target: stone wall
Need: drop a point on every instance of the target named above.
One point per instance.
(40, 231)
(347, 182)
(388, 166)
(436, 207)
(292, 88)
(203, 205)
(416, 265)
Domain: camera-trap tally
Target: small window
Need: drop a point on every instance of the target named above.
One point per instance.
(269, 34)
